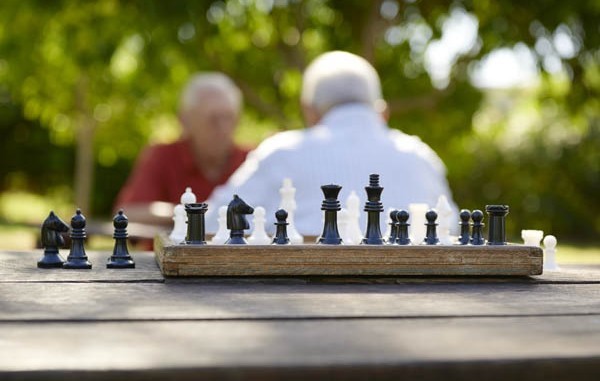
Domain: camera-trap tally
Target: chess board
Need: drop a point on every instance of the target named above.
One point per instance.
(181, 260)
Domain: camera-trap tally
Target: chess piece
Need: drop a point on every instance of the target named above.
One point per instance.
(388, 225)
(180, 217)
(532, 237)
(393, 236)
(444, 212)
(417, 225)
(330, 206)
(342, 218)
(465, 227)
(259, 235)
(51, 241)
(550, 253)
(77, 258)
(403, 237)
(222, 234)
(373, 207)
(196, 227)
(431, 237)
(353, 230)
(236, 220)
(288, 202)
(120, 258)
(188, 197)
(497, 224)
(281, 237)
(477, 234)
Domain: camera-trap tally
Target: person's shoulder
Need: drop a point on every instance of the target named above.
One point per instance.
(413, 144)
(279, 142)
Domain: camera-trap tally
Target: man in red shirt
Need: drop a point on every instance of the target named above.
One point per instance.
(204, 157)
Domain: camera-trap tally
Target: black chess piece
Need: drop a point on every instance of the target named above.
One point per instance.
(465, 227)
(196, 226)
(120, 258)
(403, 225)
(497, 229)
(281, 237)
(236, 220)
(431, 237)
(331, 205)
(373, 207)
(51, 241)
(393, 238)
(77, 258)
(477, 234)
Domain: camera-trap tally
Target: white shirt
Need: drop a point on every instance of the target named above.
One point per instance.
(351, 142)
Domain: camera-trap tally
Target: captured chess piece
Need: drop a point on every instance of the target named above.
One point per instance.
(403, 237)
(77, 258)
(259, 236)
(465, 227)
(550, 253)
(196, 233)
(373, 207)
(330, 206)
(120, 258)
(431, 237)
(477, 234)
(497, 224)
(532, 237)
(179, 216)
(281, 237)
(393, 237)
(51, 241)
(236, 220)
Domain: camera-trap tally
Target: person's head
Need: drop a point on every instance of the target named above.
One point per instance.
(337, 78)
(209, 110)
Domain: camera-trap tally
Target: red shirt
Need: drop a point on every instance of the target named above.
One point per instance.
(162, 173)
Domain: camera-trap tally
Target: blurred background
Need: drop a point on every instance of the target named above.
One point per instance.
(506, 92)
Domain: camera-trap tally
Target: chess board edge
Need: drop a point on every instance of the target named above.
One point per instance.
(180, 260)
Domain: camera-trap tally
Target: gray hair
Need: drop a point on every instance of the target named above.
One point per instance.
(338, 77)
(210, 81)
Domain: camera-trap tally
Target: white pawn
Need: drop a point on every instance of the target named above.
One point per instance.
(342, 219)
(550, 253)
(180, 216)
(288, 203)
(532, 237)
(222, 232)
(444, 212)
(417, 222)
(259, 235)
(353, 231)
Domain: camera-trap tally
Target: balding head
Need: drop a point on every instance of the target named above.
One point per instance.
(336, 78)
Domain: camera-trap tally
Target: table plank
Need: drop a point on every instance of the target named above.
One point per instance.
(534, 348)
(212, 300)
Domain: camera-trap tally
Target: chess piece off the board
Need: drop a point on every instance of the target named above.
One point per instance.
(281, 236)
(550, 253)
(77, 258)
(120, 258)
(532, 237)
(196, 229)
(52, 240)
(330, 206)
(237, 210)
(373, 207)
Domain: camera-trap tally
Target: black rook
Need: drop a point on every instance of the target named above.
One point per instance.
(196, 228)
(497, 229)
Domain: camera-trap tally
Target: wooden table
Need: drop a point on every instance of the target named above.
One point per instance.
(111, 324)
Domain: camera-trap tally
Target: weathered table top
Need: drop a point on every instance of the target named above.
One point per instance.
(106, 324)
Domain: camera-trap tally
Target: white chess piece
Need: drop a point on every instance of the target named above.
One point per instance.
(288, 202)
(353, 230)
(342, 219)
(550, 253)
(222, 232)
(532, 237)
(417, 222)
(259, 235)
(180, 216)
(444, 212)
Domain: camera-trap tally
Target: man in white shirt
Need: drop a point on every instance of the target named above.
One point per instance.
(349, 139)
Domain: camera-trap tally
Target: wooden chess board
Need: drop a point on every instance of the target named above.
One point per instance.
(180, 260)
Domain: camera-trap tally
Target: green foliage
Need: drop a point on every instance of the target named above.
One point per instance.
(116, 68)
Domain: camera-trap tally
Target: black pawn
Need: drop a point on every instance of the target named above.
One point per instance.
(393, 238)
(331, 205)
(403, 225)
(431, 235)
(51, 241)
(497, 229)
(77, 258)
(196, 227)
(477, 234)
(373, 207)
(465, 226)
(120, 258)
(281, 237)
